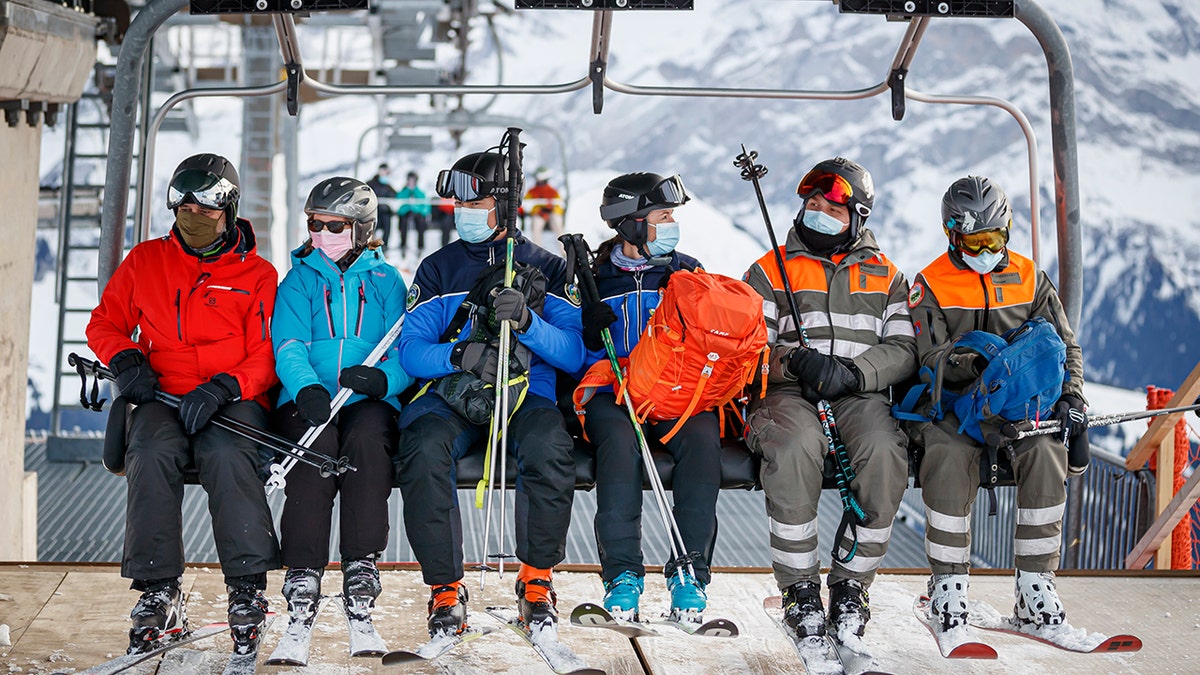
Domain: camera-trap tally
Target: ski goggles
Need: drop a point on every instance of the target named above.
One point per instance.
(200, 187)
(833, 188)
(667, 194)
(334, 226)
(465, 186)
(978, 242)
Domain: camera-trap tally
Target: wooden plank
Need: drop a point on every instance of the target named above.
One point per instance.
(1164, 490)
(1162, 527)
(1161, 427)
(23, 593)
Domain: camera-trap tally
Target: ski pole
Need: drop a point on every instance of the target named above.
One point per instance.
(852, 512)
(280, 470)
(326, 464)
(1015, 431)
(578, 257)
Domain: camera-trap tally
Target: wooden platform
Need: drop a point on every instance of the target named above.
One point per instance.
(65, 618)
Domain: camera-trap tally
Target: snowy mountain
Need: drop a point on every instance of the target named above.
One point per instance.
(1137, 65)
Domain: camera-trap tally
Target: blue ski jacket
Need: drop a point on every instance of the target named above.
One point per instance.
(326, 320)
(441, 284)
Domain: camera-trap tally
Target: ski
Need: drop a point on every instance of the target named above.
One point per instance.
(1064, 637)
(719, 628)
(364, 639)
(127, 661)
(958, 642)
(557, 656)
(589, 615)
(244, 660)
(818, 653)
(438, 646)
(292, 649)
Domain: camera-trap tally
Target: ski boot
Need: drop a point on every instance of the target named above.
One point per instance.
(360, 586)
(687, 597)
(302, 590)
(247, 614)
(448, 609)
(158, 617)
(948, 600)
(536, 599)
(621, 596)
(803, 612)
(1037, 602)
(849, 609)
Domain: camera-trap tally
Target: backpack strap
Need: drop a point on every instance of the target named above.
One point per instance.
(700, 384)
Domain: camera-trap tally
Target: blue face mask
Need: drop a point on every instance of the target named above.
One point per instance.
(983, 263)
(665, 239)
(819, 221)
(472, 224)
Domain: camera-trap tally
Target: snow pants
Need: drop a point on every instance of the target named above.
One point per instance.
(418, 223)
(696, 483)
(785, 430)
(157, 453)
(365, 433)
(433, 437)
(950, 482)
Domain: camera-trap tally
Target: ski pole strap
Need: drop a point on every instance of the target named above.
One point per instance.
(849, 524)
(94, 402)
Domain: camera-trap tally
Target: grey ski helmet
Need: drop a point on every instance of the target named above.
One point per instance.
(630, 197)
(348, 198)
(975, 204)
(856, 193)
(207, 180)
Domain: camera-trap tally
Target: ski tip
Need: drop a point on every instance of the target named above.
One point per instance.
(719, 628)
(285, 662)
(1119, 643)
(398, 658)
(973, 650)
(581, 611)
(773, 602)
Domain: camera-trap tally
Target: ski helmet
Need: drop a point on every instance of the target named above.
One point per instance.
(348, 198)
(976, 215)
(630, 197)
(207, 180)
(843, 182)
(479, 175)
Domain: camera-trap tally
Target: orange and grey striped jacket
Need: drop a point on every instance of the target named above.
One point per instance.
(851, 305)
(949, 299)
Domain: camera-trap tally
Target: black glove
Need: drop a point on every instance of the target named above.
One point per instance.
(136, 381)
(198, 406)
(842, 379)
(365, 380)
(481, 358)
(1079, 454)
(509, 304)
(829, 377)
(312, 402)
(664, 279)
(1071, 414)
(596, 317)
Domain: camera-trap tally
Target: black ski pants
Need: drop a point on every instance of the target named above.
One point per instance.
(433, 436)
(383, 224)
(156, 455)
(695, 484)
(365, 433)
(417, 222)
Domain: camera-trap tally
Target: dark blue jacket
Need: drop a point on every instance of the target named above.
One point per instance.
(442, 282)
(633, 296)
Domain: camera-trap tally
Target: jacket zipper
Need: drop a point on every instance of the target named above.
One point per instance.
(329, 309)
(262, 319)
(637, 280)
(345, 329)
(178, 314)
(362, 304)
(987, 303)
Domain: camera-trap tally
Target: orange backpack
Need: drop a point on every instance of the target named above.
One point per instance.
(701, 348)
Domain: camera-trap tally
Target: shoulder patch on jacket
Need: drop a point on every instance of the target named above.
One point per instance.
(414, 294)
(916, 294)
(1006, 278)
(571, 292)
(873, 270)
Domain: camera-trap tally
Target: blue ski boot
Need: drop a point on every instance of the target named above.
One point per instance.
(621, 596)
(688, 600)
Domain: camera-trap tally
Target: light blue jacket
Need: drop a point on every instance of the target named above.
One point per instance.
(326, 320)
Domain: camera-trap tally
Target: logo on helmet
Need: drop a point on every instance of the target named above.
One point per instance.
(968, 222)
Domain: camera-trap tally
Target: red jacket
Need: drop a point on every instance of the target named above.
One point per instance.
(196, 317)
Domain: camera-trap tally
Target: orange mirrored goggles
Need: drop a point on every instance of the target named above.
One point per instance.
(978, 242)
(830, 185)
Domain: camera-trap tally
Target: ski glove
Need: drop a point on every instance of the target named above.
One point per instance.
(481, 358)
(596, 317)
(198, 406)
(841, 379)
(312, 402)
(508, 304)
(1070, 413)
(365, 380)
(136, 381)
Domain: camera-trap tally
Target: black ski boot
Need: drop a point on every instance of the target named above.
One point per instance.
(536, 599)
(802, 609)
(158, 617)
(849, 609)
(247, 614)
(447, 609)
(360, 586)
(302, 590)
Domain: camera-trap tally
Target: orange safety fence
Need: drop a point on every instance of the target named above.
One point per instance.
(1182, 555)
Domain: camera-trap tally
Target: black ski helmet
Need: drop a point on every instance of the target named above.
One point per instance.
(862, 190)
(347, 198)
(975, 204)
(207, 180)
(479, 175)
(630, 197)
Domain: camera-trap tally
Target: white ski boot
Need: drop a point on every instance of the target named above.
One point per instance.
(948, 599)
(1037, 602)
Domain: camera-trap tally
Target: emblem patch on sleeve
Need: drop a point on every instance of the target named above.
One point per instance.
(916, 294)
(571, 291)
(414, 294)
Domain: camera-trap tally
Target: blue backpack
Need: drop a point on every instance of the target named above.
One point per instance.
(1023, 379)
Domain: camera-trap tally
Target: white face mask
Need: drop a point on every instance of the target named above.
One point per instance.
(819, 221)
(472, 224)
(983, 263)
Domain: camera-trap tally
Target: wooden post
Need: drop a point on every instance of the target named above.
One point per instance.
(1162, 426)
(1164, 490)
(1179, 507)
